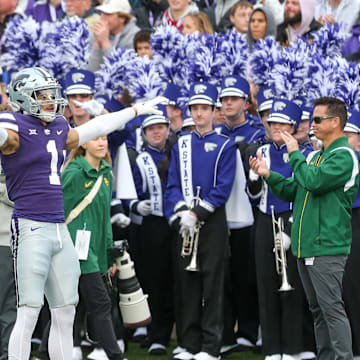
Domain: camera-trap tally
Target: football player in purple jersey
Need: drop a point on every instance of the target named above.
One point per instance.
(32, 140)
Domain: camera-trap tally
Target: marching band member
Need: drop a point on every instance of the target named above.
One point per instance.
(241, 279)
(323, 190)
(281, 326)
(234, 99)
(154, 235)
(202, 163)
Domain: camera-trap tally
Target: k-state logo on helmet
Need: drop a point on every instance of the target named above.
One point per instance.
(230, 81)
(77, 77)
(279, 105)
(200, 88)
(19, 83)
(268, 94)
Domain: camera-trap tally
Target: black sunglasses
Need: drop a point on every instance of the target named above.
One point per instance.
(319, 119)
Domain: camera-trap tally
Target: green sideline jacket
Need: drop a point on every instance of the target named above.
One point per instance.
(77, 180)
(323, 191)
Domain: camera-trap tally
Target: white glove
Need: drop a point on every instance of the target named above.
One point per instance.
(144, 207)
(187, 223)
(149, 107)
(92, 107)
(121, 220)
(286, 240)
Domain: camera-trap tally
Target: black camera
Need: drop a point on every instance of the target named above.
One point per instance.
(133, 303)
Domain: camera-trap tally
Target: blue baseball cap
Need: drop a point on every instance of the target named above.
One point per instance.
(172, 94)
(203, 93)
(111, 105)
(285, 111)
(234, 85)
(79, 82)
(265, 97)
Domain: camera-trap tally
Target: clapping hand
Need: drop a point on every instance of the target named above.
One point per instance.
(259, 166)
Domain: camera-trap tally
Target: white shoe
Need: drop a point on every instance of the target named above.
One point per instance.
(305, 355)
(244, 342)
(205, 356)
(291, 357)
(157, 349)
(225, 349)
(121, 344)
(178, 350)
(273, 357)
(184, 355)
(77, 353)
(98, 354)
(141, 331)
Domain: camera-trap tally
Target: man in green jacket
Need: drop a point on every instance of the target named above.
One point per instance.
(323, 189)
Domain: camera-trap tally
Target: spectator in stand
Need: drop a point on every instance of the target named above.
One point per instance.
(177, 11)
(142, 43)
(197, 22)
(219, 14)
(148, 13)
(298, 21)
(83, 9)
(116, 28)
(261, 24)
(79, 86)
(342, 12)
(7, 10)
(48, 10)
(351, 46)
(276, 7)
(240, 15)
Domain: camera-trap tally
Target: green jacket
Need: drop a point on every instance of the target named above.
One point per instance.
(323, 192)
(77, 180)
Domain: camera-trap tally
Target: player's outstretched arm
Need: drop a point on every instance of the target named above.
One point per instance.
(9, 141)
(107, 123)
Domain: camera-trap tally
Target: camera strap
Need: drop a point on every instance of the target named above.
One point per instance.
(85, 202)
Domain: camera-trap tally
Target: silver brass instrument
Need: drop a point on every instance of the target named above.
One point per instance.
(191, 241)
(280, 254)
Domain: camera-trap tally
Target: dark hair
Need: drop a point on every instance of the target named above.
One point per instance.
(142, 36)
(334, 107)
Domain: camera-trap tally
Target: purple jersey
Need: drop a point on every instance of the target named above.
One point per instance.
(33, 171)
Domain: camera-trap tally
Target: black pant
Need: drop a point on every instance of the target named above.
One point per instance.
(202, 292)
(154, 263)
(97, 303)
(284, 316)
(240, 301)
(351, 285)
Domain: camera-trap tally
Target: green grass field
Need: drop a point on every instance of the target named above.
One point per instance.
(135, 352)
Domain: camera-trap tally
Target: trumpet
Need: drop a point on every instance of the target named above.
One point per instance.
(191, 240)
(280, 254)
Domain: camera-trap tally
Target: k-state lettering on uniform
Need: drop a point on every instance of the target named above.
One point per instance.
(38, 228)
(208, 161)
(154, 246)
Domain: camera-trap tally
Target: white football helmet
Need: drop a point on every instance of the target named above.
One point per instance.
(37, 93)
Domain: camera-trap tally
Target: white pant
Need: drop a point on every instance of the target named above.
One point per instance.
(45, 262)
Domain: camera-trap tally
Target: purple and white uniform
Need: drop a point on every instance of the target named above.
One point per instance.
(44, 256)
(33, 171)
